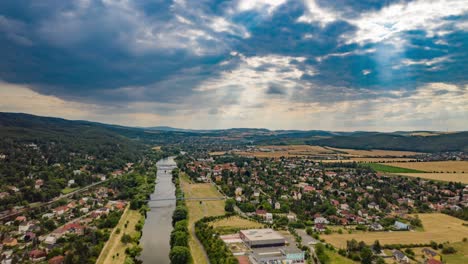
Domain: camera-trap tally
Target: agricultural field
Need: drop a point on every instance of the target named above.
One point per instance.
(453, 177)
(287, 151)
(198, 210)
(368, 160)
(217, 153)
(114, 249)
(308, 150)
(374, 152)
(382, 160)
(451, 230)
(391, 169)
(435, 166)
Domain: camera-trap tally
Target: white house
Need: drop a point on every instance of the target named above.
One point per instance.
(277, 206)
(269, 217)
(71, 182)
(320, 220)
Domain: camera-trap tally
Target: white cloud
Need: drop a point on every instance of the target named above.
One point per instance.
(259, 5)
(431, 63)
(386, 24)
(317, 14)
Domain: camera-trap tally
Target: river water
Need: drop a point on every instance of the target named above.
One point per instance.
(158, 225)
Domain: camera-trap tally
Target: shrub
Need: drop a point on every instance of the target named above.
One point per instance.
(180, 255)
(449, 250)
(126, 238)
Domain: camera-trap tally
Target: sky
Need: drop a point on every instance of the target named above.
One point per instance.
(208, 64)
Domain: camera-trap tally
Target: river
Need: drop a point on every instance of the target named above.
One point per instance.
(158, 225)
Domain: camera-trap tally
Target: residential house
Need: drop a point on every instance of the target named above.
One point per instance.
(400, 257)
(401, 226)
(10, 242)
(321, 220)
(277, 206)
(24, 227)
(373, 205)
(39, 184)
(238, 191)
(71, 182)
(431, 254)
(4, 195)
(376, 227)
(60, 210)
(20, 218)
(57, 260)
(319, 227)
(37, 255)
(50, 240)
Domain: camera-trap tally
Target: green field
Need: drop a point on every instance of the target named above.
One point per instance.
(391, 169)
(461, 256)
(336, 258)
(69, 190)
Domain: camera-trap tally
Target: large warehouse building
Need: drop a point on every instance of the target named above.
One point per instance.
(262, 238)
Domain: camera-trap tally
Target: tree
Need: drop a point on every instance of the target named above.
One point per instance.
(179, 238)
(180, 255)
(366, 255)
(449, 250)
(322, 256)
(229, 207)
(180, 213)
(126, 238)
(377, 247)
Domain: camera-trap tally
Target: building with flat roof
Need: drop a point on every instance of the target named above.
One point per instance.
(262, 238)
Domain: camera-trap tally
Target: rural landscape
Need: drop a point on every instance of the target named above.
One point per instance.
(221, 198)
(234, 132)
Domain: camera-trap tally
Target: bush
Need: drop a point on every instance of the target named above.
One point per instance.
(180, 213)
(180, 255)
(179, 238)
(126, 238)
(449, 250)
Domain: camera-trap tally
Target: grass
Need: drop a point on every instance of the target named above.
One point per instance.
(438, 227)
(336, 258)
(68, 190)
(460, 257)
(236, 222)
(233, 224)
(391, 169)
(198, 210)
(114, 246)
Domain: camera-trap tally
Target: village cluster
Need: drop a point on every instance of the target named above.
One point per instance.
(329, 197)
(33, 238)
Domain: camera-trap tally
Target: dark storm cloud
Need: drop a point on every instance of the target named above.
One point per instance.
(160, 51)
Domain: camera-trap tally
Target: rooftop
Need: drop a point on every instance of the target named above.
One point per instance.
(261, 234)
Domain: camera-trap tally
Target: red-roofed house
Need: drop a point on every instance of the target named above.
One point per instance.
(37, 255)
(57, 260)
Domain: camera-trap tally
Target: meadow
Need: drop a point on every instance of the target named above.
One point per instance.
(437, 227)
(114, 249)
(309, 150)
(198, 210)
(391, 169)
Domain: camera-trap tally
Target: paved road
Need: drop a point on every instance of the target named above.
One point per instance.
(309, 241)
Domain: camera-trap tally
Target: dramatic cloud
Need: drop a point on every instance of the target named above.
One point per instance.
(359, 64)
